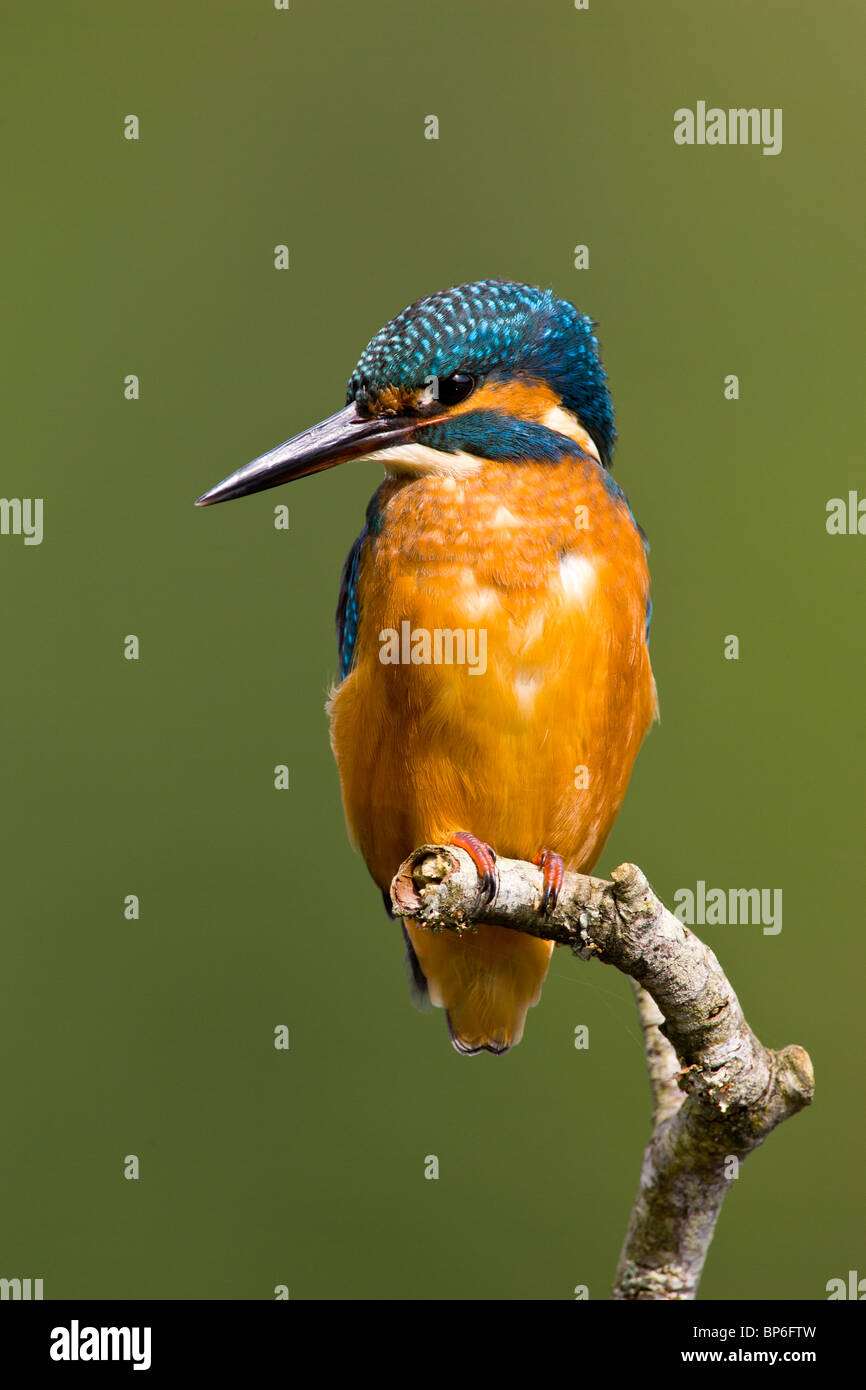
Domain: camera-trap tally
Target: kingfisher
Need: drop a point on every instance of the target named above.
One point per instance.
(493, 618)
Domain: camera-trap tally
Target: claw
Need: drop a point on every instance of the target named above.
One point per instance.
(484, 859)
(553, 872)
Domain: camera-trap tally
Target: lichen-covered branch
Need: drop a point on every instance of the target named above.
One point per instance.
(717, 1091)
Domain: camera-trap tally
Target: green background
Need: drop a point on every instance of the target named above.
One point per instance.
(155, 777)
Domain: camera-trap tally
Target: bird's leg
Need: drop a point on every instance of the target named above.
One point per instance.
(484, 859)
(553, 870)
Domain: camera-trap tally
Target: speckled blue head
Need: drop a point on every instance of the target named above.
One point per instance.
(496, 331)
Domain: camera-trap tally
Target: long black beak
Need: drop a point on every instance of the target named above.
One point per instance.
(346, 435)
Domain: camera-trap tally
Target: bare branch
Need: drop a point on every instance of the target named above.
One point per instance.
(662, 1061)
(728, 1092)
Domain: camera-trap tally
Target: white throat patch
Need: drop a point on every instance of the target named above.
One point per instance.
(417, 459)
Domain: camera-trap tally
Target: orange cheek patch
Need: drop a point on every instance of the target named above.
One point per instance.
(529, 400)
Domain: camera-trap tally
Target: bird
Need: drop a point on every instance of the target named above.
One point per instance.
(494, 682)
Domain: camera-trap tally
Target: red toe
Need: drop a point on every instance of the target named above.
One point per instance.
(484, 859)
(553, 873)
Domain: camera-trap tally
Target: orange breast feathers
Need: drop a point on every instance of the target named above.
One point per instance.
(502, 686)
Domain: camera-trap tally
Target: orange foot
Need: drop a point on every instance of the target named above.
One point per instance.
(484, 859)
(553, 870)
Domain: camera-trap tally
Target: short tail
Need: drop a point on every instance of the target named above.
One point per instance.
(486, 981)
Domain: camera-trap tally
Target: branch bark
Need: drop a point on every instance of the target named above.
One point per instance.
(717, 1091)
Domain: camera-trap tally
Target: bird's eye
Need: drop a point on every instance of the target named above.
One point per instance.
(453, 389)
